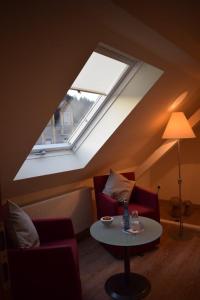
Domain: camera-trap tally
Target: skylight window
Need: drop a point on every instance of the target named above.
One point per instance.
(92, 88)
(110, 100)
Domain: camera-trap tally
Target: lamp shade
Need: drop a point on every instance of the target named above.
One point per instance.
(178, 127)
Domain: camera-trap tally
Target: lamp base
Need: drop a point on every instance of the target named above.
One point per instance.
(185, 235)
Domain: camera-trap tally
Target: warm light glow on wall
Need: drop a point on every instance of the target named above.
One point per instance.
(178, 101)
(160, 118)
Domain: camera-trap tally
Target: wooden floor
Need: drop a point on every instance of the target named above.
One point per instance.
(173, 269)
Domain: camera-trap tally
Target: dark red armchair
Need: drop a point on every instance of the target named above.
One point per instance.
(142, 200)
(50, 271)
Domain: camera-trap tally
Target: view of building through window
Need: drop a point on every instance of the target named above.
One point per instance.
(70, 113)
(90, 90)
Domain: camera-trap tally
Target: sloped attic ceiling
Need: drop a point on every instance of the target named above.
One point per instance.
(44, 48)
(178, 21)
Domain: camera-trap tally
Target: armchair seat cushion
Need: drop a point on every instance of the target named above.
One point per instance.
(144, 211)
(68, 242)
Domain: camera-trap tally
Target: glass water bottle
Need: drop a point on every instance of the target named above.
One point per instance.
(126, 217)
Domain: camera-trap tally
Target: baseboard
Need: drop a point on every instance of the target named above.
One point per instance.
(190, 226)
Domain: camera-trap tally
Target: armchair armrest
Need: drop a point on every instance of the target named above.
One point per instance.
(42, 269)
(146, 198)
(54, 229)
(107, 206)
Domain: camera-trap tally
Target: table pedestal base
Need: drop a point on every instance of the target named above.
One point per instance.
(134, 287)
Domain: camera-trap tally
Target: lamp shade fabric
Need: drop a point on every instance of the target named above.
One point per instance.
(178, 127)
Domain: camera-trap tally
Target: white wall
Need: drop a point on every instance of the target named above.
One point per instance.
(165, 172)
(77, 205)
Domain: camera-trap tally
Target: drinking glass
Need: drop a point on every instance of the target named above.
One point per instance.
(135, 224)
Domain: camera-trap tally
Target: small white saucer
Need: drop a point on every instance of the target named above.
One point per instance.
(136, 228)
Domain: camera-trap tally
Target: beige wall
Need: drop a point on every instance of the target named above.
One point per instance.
(76, 205)
(165, 172)
(44, 48)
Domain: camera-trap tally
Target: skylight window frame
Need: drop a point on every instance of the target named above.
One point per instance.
(79, 135)
(107, 104)
(86, 120)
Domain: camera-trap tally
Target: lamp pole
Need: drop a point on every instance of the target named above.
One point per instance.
(180, 191)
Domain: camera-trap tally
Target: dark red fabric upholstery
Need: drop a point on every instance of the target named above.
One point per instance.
(144, 210)
(50, 271)
(53, 229)
(142, 200)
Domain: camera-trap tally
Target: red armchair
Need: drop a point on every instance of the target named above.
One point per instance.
(142, 200)
(50, 271)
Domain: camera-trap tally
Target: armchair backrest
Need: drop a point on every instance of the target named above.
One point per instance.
(100, 181)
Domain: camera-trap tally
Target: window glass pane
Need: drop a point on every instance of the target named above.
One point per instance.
(72, 111)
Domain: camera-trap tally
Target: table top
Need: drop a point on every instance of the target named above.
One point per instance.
(113, 234)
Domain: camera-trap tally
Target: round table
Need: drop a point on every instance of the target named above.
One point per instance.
(126, 285)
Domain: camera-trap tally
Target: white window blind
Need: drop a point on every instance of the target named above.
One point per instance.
(99, 74)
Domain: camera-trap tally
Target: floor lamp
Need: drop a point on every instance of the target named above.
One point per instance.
(178, 128)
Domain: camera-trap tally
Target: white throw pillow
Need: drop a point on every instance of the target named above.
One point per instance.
(118, 187)
(20, 228)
